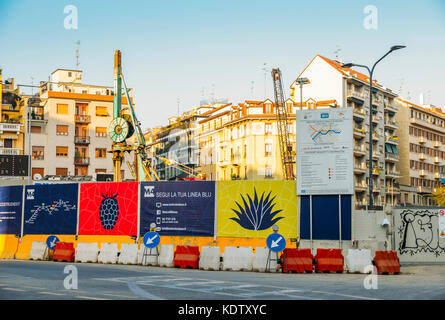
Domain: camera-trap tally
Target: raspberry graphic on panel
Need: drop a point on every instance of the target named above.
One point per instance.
(109, 210)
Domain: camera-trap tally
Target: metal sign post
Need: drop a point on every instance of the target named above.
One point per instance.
(276, 243)
(151, 241)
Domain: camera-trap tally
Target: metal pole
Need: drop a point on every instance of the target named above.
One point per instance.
(370, 202)
(29, 146)
(310, 220)
(301, 96)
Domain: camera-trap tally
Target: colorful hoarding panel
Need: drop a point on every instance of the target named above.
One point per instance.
(178, 208)
(108, 208)
(11, 209)
(249, 209)
(51, 209)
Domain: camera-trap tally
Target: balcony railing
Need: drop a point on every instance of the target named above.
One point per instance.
(81, 161)
(10, 151)
(82, 118)
(82, 139)
(9, 127)
(391, 156)
(356, 95)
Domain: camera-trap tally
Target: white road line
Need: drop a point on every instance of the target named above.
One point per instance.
(346, 295)
(51, 293)
(90, 298)
(141, 292)
(14, 289)
(119, 296)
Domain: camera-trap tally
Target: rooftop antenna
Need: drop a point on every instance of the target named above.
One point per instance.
(252, 83)
(212, 94)
(401, 86)
(178, 101)
(337, 52)
(77, 53)
(265, 75)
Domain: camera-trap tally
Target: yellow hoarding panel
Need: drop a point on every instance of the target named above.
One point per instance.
(249, 209)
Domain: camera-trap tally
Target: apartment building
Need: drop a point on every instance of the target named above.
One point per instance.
(69, 124)
(330, 81)
(12, 118)
(177, 142)
(422, 151)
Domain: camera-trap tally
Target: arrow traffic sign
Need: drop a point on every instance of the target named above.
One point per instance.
(151, 239)
(51, 242)
(276, 242)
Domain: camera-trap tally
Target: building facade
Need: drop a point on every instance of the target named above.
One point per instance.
(68, 129)
(422, 152)
(328, 80)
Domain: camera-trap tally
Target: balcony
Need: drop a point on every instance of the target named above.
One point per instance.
(436, 159)
(81, 161)
(360, 168)
(79, 118)
(422, 140)
(10, 127)
(436, 175)
(422, 173)
(359, 150)
(422, 156)
(392, 173)
(10, 151)
(437, 144)
(392, 139)
(391, 123)
(360, 186)
(391, 107)
(359, 132)
(82, 140)
(391, 157)
(358, 113)
(375, 119)
(356, 96)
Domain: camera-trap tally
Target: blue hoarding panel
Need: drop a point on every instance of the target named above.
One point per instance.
(51, 209)
(178, 208)
(11, 209)
(325, 217)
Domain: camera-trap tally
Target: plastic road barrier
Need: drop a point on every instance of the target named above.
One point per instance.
(238, 259)
(108, 253)
(129, 253)
(186, 257)
(39, 251)
(358, 260)
(210, 258)
(64, 251)
(166, 255)
(298, 260)
(86, 252)
(387, 262)
(329, 260)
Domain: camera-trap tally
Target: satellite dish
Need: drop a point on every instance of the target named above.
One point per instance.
(37, 176)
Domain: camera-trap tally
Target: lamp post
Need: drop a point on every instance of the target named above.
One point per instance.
(301, 82)
(371, 72)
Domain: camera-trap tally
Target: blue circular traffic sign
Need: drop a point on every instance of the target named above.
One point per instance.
(276, 242)
(151, 239)
(51, 242)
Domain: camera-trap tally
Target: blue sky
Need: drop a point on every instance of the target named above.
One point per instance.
(190, 50)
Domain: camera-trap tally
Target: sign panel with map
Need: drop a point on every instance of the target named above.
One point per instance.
(325, 151)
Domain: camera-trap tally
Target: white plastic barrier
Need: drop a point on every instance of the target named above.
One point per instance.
(209, 258)
(358, 259)
(166, 255)
(151, 258)
(129, 253)
(86, 252)
(238, 258)
(38, 251)
(108, 253)
(260, 260)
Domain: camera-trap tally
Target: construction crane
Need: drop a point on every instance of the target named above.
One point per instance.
(124, 126)
(182, 167)
(287, 160)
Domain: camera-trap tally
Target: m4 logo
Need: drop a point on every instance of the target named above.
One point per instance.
(149, 191)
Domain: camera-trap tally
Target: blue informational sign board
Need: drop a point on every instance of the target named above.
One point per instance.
(51, 209)
(178, 208)
(11, 209)
(51, 242)
(276, 242)
(151, 239)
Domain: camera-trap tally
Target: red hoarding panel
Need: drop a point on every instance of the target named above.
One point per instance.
(108, 208)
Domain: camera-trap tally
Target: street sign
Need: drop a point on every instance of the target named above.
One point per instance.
(51, 242)
(276, 242)
(151, 239)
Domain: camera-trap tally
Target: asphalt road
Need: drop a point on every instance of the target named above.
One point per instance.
(42, 280)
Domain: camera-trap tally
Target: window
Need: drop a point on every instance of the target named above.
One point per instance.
(70, 74)
(36, 129)
(101, 152)
(62, 171)
(101, 111)
(268, 108)
(61, 130)
(268, 128)
(38, 153)
(101, 131)
(40, 171)
(62, 109)
(8, 143)
(61, 151)
(268, 150)
(101, 170)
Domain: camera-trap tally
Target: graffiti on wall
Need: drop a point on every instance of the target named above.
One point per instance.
(418, 232)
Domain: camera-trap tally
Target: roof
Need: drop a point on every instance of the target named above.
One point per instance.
(66, 70)
(436, 111)
(344, 71)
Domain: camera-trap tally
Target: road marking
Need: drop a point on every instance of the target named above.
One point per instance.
(141, 292)
(51, 293)
(14, 289)
(346, 295)
(90, 298)
(120, 295)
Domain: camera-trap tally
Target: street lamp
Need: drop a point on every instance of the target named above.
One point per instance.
(301, 82)
(371, 71)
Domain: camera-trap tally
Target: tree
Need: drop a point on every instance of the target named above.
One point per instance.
(439, 196)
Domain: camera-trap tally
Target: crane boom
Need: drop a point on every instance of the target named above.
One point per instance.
(283, 132)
